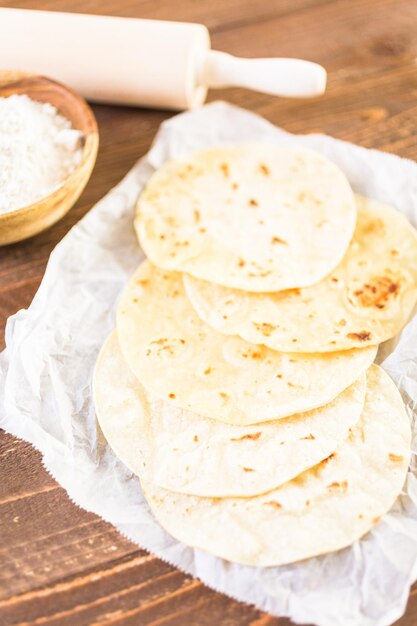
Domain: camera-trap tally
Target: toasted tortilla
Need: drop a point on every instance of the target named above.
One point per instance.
(182, 360)
(324, 509)
(257, 217)
(188, 453)
(366, 300)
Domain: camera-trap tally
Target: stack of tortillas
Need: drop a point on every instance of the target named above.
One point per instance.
(239, 384)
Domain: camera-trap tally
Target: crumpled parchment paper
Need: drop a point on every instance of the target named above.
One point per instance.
(45, 388)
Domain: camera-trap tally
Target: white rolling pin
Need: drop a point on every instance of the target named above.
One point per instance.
(148, 63)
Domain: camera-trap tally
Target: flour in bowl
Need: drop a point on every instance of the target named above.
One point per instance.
(39, 149)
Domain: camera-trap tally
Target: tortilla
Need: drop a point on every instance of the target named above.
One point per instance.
(366, 300)
(324, 509)
(179, 358)
(254, 216)
(184, 452)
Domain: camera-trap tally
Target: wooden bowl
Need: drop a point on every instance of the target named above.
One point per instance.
(30, 220)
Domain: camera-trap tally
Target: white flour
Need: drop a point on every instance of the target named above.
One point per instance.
(38, 150)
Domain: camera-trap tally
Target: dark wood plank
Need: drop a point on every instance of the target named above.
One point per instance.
(62, 565)
(215, 14)
(75, 568)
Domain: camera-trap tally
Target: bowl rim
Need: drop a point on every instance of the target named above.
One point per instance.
(89, 149)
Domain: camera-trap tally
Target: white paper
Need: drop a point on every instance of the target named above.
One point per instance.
(45, 389)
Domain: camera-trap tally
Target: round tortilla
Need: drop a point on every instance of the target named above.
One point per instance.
(185, 452)
(324, 509)
(255, 217)
(366, 300)
(181, 359)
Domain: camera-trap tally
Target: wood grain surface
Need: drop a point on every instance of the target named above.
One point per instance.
(59, 564)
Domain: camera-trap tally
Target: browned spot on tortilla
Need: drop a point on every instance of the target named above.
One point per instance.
(235, 186)
(251, 436)
(360, 516)
(294, 340)
(225, 169)
(161, 236)
(202, 229)
(301, 196)
(197, 215)
(253, 202)
(207, 371)
(307, 502)
(332, 342)
(276, 239)
(135, 300)
(260, 274)
(310, 436)
(142, 282)
(341, 322)
(172, 396)
(180, 244)
(264, 328)
(378, 291)
(248, 469)
(195, 438)
(376, 519)
(363, 335)
(159, 342)
(264, 169)
(336, 486)
(327, 459)
(279, 375)
(290, 384)
(373, 226)
(334, 279)
(241, 263)
(274, 503)
(256, 355)
(292, 292)
(223, 395)
(394, 252)
(395, 458)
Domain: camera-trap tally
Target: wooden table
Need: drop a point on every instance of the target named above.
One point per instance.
(59, 564)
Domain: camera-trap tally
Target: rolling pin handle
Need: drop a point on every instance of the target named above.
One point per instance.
(294, 78)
